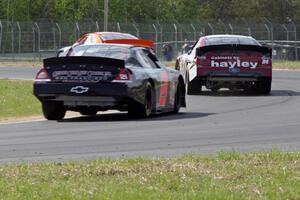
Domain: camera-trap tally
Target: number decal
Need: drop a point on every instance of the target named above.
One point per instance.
(163, 91)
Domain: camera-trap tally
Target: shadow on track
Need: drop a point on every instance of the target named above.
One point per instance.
(283, 93)
(123, 116)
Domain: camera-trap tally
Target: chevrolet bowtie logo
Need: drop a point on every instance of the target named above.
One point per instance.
(79, 89)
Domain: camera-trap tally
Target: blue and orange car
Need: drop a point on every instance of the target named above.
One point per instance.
(106, 37)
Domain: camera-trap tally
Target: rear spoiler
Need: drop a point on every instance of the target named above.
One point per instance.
(236, 47)
(83, 60)
(136, 42)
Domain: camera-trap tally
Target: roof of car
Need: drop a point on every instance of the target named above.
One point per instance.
(227, 35)
(111, 44)
(107, 32)
(113, 33)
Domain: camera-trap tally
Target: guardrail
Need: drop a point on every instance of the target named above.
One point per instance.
(39, 38)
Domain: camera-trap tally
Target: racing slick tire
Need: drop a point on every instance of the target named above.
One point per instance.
(178, 98)
(264, 86)
(143, 110)
(53, 110)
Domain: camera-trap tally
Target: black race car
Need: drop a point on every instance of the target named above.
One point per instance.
(108, 76)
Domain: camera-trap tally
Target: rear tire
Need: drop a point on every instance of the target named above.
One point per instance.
(178, 98)
(53, 110)
(143, 110)
(264, 86)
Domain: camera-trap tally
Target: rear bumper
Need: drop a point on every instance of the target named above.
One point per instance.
(210, 71)
(83, 94)
(228, 81)
(232, 75)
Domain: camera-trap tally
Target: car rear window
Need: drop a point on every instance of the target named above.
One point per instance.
(230, 40)
(107, 51)
(112, 36)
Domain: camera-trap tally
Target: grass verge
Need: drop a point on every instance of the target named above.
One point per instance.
(291, 65)
(21, 63)
(17, 100)
(231, 175)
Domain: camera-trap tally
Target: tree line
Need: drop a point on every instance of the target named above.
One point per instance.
(145, 11)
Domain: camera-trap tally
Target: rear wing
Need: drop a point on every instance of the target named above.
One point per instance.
(234, 47)
(136, 42)
(82, 60)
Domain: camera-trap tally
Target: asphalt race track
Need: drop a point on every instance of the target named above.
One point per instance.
(211, 123)
(19, 73)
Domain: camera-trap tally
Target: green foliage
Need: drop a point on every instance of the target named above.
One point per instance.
(150, 10)
(77, 10)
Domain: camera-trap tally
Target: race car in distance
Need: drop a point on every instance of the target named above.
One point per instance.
(227, 61)
(108, 76)
(106, 37)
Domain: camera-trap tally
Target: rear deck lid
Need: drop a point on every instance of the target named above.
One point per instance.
(234, 57)
(83, 68)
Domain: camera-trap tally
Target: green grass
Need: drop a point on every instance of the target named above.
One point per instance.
(21, 63)
(232, 175)
(17, 100)
(292, 65)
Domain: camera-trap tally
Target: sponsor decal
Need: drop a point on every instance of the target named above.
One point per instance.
(231, 62)
(82, 75)
(234, 70)
(265, 60)
(163, 91)
(79, 89)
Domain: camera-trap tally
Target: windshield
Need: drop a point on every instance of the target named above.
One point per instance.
(112, 36)
(107, 51)
(230, 40)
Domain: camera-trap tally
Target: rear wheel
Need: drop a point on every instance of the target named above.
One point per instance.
(53, 110)
(145, 109)
(178, 98)
(264, 86)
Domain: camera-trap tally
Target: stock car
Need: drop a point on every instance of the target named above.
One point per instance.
(105, 37)
(227, 61)
(108, 76)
